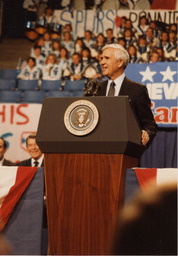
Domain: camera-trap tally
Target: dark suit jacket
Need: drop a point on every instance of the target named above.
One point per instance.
(8, 163)
(140, 103)
(27, 162)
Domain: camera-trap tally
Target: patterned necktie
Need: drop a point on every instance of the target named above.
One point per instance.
(112, 89)
(36, 163)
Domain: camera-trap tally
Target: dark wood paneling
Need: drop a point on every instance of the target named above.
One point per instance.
(83, 195)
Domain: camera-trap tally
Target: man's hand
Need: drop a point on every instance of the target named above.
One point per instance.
(145, 137)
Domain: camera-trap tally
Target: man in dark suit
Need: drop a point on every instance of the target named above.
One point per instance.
(35, 160)
(113, 63)
(3, 149)
(35, 153)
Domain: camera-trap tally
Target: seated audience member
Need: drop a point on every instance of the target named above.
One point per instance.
(91, 69)
(88, 39)
(154, 57)
(68, 28)
(38, 56)
(110, 39)
(156, 30)
(161, 53)
(79, 45)
(36, 156)
(64, 59)
(142, 26)
(172, 37)
(135, 4)
(142, 49)
(173, 27)
(151, 40)
(121, 41)
(56, 46)
(129, 25)
(47, 42)
(48, 19)
(94, 70)
(74, 70)
(100, 42)
(129, 38)
(31, 71)
(121, 28)
(147, 225)
(51, 70)
(3, 149)
(68, 43)
(168, 47)
(132, 50)
(86, 56)
(39, 42)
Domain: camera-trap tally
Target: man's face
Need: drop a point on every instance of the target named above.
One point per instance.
(87, 35)
(33, 149)
(155, 57)
(2, 150)
(37, 51)
(76, 59)
(164, 37)
(149, 33)
(109, 34)
(110, 66)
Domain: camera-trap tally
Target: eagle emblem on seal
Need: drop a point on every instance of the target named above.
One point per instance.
(81, 116)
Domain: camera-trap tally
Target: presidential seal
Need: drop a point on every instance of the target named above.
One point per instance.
(81, 117)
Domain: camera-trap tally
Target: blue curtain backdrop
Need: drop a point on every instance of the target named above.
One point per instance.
(161, 81)
(163, 151)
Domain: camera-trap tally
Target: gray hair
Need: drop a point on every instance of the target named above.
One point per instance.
(120, 53)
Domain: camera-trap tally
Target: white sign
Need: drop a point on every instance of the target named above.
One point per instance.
(97, 22)
(17, 121)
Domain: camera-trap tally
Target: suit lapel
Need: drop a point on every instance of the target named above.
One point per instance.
(102, 91)
(125, 88)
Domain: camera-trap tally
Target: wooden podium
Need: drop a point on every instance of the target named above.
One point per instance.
(85, 175)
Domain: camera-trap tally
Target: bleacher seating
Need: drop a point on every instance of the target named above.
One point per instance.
(77, 93)
(8, 73)
(50, 85)
(76, 85)
(58, 94)
(29, 85)
(7, 84)
(10, 96)
(33, 96)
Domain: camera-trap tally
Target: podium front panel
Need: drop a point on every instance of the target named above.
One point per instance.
(117, 130)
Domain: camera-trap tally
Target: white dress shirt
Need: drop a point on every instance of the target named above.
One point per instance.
(1, 161)
(118, 82)
(40, 160)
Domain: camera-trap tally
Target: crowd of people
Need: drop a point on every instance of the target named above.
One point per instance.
(67, 56)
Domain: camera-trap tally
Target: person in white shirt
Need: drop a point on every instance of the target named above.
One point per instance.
(142, 26)
(51, 70)
(31, 71)
(38, 56)
(88, 39)
(48, 19)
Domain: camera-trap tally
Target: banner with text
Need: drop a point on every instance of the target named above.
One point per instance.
(17, 121)
(99, 21)
(161, 81)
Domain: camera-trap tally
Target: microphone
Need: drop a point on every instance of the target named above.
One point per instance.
(92, 88)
